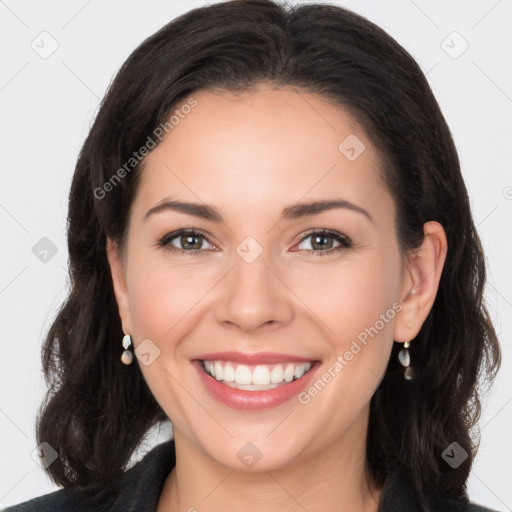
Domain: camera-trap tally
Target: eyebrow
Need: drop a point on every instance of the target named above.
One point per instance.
(294, 211)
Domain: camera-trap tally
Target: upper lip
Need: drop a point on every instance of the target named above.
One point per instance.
(252, 358)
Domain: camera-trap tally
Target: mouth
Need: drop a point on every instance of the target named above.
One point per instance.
(254, 382)
(261, 377)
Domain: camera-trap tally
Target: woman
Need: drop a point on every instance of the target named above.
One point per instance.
(269, 227)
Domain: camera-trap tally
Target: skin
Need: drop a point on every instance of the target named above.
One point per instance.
(251, 156)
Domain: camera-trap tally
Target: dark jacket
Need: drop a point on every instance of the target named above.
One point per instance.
(138, 490)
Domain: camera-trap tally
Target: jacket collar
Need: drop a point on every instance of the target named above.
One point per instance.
(139, 488)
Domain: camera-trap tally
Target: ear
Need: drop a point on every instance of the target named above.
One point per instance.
(422, 273)
(117, 269)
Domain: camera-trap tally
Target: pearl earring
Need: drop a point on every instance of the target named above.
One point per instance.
(127, 356)
(405, 360)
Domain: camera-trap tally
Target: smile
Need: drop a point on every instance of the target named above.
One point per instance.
(255, 377)
(254, 387)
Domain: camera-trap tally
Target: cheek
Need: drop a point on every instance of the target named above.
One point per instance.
(351, 296)
(164, 303)
(167, 300)
(161, 297)
(355, 302)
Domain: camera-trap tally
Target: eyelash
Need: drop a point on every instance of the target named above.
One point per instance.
(345, 242)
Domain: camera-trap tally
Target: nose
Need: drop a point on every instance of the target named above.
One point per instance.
(253, 296)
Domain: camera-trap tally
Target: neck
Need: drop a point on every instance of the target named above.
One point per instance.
(334, 479)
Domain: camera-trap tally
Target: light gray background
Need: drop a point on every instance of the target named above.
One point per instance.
(46, 108)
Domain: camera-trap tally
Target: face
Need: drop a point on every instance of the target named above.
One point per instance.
(258, 279)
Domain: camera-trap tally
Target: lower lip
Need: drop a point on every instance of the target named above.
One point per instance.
(253, 400)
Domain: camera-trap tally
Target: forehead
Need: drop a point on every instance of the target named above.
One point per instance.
(263, 145)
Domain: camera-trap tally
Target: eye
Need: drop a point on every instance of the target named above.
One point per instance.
(192, 241)
(184, 241)
(322, 242)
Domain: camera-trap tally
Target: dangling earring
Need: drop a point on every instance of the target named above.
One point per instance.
(405, 360)
(127, 356)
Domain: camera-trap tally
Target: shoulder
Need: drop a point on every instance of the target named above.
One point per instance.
(138, 487)
(62, 500)
(398, 495)
(473, 507)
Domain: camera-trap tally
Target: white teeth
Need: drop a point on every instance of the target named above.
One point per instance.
(219, 371)
(288, 373)
(229, 373)
(242, 374)
(251, 387)
(301, 369)
(277, 375)
(257, 377)
(261, 375)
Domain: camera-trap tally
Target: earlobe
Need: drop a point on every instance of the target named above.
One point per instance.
(119, 283)
(421, 282)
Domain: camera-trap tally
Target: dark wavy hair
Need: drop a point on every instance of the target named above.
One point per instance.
(97, 411)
